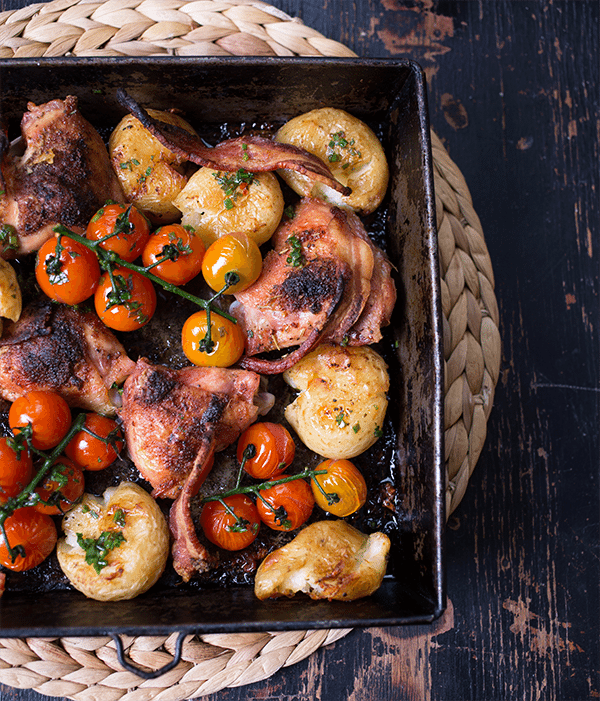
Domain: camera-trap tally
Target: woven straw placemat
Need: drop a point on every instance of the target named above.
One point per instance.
(88, 668)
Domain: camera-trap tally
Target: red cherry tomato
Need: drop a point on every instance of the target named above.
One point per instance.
(341, 490)
(31, 535)
(98, 451)
(232, 253)
(274, 449)
(183, 252)
(226, 337)
(121, 228)
(231, 527)
(66, 270)
(61, 488)
(16, 470)
(288, 505)
(47, 412)
(128, 305)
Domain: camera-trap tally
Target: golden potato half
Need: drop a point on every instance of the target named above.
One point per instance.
(11, 302)
(150, 174)
(127, 561)
(350, 149)
(342, 402)
(216, 203)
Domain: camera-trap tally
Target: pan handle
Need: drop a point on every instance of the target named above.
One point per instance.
(145, 673)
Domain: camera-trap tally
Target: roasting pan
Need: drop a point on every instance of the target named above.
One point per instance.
(242, 93)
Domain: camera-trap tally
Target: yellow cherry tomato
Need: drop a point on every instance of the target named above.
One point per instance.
(341, 490)
(224, 347)
(232, 253)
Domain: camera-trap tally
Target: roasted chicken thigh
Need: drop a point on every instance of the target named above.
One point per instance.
(64, 176)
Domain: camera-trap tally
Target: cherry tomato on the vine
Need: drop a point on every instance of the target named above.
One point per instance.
(231, 527)
(342, 490)
(47, 412)
(274, 449)
(127, 305)
(66, 270)
(61, 488)
(232, 253)
(16, 470)
(96, 450)
(31, 535)
(289, 505)
(121, 228)
(181, 251)
(226, 340)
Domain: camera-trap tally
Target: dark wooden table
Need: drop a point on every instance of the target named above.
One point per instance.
(514, 95)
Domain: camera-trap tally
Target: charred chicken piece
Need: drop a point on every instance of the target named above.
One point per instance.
(64, 175)
(174, 421)
(58, 348)
(297, 302)
(164, 412)
(327, 560)
(254, 154)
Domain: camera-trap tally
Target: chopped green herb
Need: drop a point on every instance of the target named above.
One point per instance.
(296, 257)
(356, 428)
(234, 185)
(119, 518)
(378, 432)
(97, 549)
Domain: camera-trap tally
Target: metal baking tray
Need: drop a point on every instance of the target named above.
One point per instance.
(260, 93)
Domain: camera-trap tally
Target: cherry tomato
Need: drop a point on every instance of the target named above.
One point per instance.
(66, 270)
(122, 229)
(288, 506)
(185, 252)
(98, 451)
(16, 470)
(47, 412)
(232, 253)
(342, 490)
(61, 488)
(127, 306)
(231, 527)
(274, 449)
(32, 535)
(226, 337)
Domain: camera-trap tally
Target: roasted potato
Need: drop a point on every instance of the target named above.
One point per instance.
(150, 174)
(11, 303)
(115, 547)
(342, 402)
(350, 149)
(217, 203)
(326, 560)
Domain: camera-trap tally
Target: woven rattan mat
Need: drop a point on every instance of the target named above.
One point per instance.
(82, 668)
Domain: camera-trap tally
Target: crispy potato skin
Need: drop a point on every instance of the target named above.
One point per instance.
(136, 564)
(360, 164)
(256, 213)
(327, 560)
(342, 399)
(150, 174)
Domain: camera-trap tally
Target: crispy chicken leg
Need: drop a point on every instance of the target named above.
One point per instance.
(63, 177)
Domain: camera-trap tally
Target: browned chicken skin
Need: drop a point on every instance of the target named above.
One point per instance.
(297, 300)
(58, 348)
(174, 421)
(64, 176)
(163, 413)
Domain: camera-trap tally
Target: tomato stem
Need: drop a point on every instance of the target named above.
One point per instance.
(256, 488)
(25, 495)
(109, 259)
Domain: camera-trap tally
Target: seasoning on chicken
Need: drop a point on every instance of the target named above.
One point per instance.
(56, 347)
(254, 154)
(297, 302)
(163, 414)
(64, 176)
(174, 421)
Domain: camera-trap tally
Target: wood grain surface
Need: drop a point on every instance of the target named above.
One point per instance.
(514, 95)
